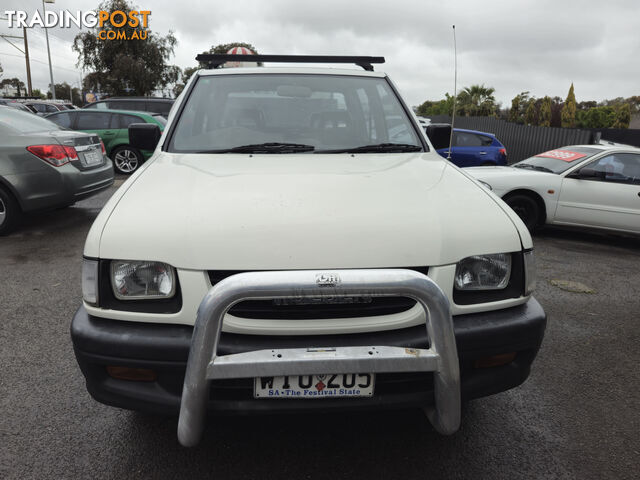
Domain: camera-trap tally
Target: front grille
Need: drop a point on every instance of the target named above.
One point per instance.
(314, 308)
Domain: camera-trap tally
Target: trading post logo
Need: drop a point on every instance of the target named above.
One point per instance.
(111, 25)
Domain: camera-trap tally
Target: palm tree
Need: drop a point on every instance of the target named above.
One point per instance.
(477, 100)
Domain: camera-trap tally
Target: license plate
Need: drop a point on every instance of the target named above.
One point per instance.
(315, 386)
(92, 157)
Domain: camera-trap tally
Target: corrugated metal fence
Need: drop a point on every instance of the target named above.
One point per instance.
(521, 141)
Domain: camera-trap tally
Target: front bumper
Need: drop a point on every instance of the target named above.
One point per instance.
(100, 342)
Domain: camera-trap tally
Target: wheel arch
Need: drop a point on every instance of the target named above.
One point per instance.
(535, 196)
(7, 187)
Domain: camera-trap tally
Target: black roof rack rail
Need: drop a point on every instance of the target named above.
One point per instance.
(215, 60)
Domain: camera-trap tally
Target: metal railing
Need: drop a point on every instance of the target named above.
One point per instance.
(205, 364)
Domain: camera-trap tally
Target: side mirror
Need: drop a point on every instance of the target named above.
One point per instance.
(144, 136)
(591, 173)
(439, 135)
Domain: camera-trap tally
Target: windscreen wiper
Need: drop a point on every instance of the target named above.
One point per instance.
(379, 147)
(533, 167)
(272, 147)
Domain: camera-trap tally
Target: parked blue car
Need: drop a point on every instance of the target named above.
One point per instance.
(471, 148)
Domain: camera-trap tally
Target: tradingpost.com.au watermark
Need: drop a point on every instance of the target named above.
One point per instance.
(117, 19)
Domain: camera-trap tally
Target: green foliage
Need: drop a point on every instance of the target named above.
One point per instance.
(519, 105)
(126, 67)
(531, 114)
(623, 116)
(36, 92)
(441, 107)
(222, 48)
(545, 112)
(569, 110)
(477, 100)
(598, 117)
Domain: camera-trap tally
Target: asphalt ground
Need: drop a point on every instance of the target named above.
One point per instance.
(576, 416)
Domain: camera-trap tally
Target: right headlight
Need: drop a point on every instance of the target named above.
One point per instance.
(483, 272)
(137, 280)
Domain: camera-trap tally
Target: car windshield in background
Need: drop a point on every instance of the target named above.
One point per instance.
(558, 160)
(23, 122)
(293, 113)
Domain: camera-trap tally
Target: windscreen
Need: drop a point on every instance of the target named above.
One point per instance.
(324, 112)
(558, 160)
(23, 122)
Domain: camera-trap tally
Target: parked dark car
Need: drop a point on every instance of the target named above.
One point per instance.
(111, 126)
(44, 166)
(470, 148)
(141, 104)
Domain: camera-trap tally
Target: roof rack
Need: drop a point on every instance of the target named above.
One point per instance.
(215, 60)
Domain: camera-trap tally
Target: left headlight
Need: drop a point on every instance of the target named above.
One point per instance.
(483, 272)
(135, 280)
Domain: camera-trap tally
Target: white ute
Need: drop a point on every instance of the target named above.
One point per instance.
(301, 220)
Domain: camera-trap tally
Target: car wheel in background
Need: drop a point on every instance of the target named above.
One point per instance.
(126, 159)
(9, 212)
(526, 208)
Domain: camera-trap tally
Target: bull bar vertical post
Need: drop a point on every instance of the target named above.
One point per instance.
(204, 363)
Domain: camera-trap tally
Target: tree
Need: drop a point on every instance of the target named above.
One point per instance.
(545, 112)
(531, 114)
(438, 107)
(38, 94)
(598, 117)
(569, 110)
(1, 70)
(519, 105)
(477, 100)
(64, 91)
(15, 83)
(623, 116)
(222, 48)
(126, 67)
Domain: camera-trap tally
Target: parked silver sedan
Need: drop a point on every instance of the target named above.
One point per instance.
(44, 166)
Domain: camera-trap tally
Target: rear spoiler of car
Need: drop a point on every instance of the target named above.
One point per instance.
(216, 60)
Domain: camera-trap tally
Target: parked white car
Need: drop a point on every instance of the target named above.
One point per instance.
(595, 186)
(279, 217)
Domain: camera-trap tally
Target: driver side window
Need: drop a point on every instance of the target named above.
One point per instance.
(619, 168)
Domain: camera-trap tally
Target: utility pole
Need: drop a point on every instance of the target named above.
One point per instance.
(46, 33)
(25, 52)
(26, 57)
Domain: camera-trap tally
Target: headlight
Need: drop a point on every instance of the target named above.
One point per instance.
(133, 280)
(483, 272)
(90, 281)
(530, 272)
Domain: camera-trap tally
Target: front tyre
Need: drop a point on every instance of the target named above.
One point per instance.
(526, 208)
(126, 159)
(9, 212)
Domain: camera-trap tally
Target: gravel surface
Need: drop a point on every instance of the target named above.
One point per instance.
(576, 416)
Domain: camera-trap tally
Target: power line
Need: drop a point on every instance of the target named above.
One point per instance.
(39, 61)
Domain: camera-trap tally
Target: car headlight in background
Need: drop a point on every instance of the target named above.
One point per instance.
(90, 281)
(134, 280)
(483, 272)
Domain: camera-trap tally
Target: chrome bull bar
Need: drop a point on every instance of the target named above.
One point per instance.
(205, 364)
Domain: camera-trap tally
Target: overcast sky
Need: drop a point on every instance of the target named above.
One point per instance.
(512, 45)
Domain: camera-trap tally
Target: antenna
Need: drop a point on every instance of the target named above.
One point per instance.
(455, 90)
